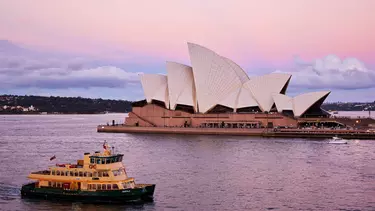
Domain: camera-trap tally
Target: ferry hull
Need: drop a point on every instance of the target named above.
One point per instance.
(104, 196)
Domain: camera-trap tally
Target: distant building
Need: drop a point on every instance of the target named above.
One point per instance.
(31, 108)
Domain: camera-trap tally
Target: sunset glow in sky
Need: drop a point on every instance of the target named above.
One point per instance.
(139, 36)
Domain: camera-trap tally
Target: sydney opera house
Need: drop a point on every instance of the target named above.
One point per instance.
(216, 92)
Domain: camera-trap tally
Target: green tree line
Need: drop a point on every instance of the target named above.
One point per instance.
(66, 104)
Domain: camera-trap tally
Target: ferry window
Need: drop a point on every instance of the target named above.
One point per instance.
(89, 186)
(92, 160)
(114, 186)
(62, 173)
(104, 186)
(114, 173)
(109, 186)
(49, 183)
(93, 186)
(71, 173)
(105, 174)
(100, 174)
(128, 184)
(81, 174)
(89, 174)
(99, 187)
(95, 174)
(125, 185)
(53, 184)
(98, 161)
(108, 160)
(113, 160)
(53, 172)
(76, 174)
(58, 173)
(67, 173)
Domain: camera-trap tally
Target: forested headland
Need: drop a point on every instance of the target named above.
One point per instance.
(15, 104)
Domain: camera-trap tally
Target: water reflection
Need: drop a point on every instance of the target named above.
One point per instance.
(193, 172)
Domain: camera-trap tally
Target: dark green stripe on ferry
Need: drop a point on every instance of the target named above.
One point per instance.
(125, 195)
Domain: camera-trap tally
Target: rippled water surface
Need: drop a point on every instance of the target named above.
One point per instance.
(193, 172)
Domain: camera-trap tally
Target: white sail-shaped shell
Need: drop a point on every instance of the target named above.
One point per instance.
(214, 77)
(180, 85)
(263, 87)
(155, 87)
(303, 102)
(283, 102)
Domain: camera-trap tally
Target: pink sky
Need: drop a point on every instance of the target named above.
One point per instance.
(269, 30)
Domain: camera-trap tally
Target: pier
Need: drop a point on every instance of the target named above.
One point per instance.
(259, 132)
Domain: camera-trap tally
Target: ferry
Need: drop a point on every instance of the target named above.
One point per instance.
(99, 177)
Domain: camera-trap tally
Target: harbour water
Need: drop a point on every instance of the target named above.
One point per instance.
(193, 172)
(355, 114)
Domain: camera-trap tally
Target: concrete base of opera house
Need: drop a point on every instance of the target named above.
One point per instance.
(155, 119)
(152, 115)
(260, 132)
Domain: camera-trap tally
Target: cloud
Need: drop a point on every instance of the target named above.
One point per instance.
(331, 72)
(23, 69)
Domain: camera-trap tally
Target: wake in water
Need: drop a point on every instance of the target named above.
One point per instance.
(8, 192)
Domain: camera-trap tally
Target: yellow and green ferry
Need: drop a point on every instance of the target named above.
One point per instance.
(99, 177)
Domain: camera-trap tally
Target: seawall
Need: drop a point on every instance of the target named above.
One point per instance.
(260, 132)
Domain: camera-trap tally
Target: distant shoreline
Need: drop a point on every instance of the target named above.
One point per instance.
(15, 104)
(42, 114)
(333, 113)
